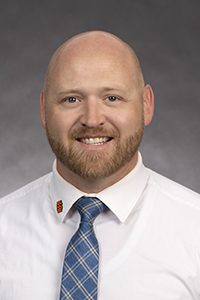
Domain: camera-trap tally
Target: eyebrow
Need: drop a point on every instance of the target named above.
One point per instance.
(67, 92)
(105, 89)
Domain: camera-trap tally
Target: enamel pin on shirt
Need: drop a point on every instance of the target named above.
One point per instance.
(59, 206)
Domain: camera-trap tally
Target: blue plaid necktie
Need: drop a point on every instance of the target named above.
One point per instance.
(80, 269)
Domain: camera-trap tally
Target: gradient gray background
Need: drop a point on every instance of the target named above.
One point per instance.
(166, 37)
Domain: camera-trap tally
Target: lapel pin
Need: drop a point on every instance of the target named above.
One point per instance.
(59, 206)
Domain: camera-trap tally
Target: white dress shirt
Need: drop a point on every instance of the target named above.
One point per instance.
(149, 238)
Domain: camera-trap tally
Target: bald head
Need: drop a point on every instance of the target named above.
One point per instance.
(94, 108)
(90, 46)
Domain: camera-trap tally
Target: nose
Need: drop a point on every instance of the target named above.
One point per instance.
(92, 114)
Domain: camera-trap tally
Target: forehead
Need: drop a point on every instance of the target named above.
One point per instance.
(95, 59)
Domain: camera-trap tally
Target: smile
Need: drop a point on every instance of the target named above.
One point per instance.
(95, 141)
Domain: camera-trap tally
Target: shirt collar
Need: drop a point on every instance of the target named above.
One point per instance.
(120, 198)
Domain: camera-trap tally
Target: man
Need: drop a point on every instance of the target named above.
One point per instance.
(94, 106)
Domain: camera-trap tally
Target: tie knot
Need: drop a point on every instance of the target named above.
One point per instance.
(89, 208)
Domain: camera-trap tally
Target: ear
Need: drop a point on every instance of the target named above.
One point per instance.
(42, 109)
(148, 101)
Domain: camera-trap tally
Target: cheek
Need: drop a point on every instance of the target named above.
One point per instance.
(130, 121)
(57, 124)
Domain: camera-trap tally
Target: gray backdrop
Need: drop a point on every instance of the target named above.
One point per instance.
(166, 36)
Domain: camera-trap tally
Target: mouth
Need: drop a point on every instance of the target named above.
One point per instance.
(95, 141)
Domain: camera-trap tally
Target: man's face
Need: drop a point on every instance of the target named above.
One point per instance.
(94, 113)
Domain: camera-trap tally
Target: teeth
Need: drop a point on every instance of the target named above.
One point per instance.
(95, 141)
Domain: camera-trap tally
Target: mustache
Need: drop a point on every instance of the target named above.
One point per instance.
(87, 132)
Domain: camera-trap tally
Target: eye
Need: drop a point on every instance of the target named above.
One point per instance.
(71, 100)
(112, 98)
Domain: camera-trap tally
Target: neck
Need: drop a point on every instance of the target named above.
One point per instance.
(90, 186)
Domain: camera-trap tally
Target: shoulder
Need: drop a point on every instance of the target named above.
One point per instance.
(173, 191)
(32, 189)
